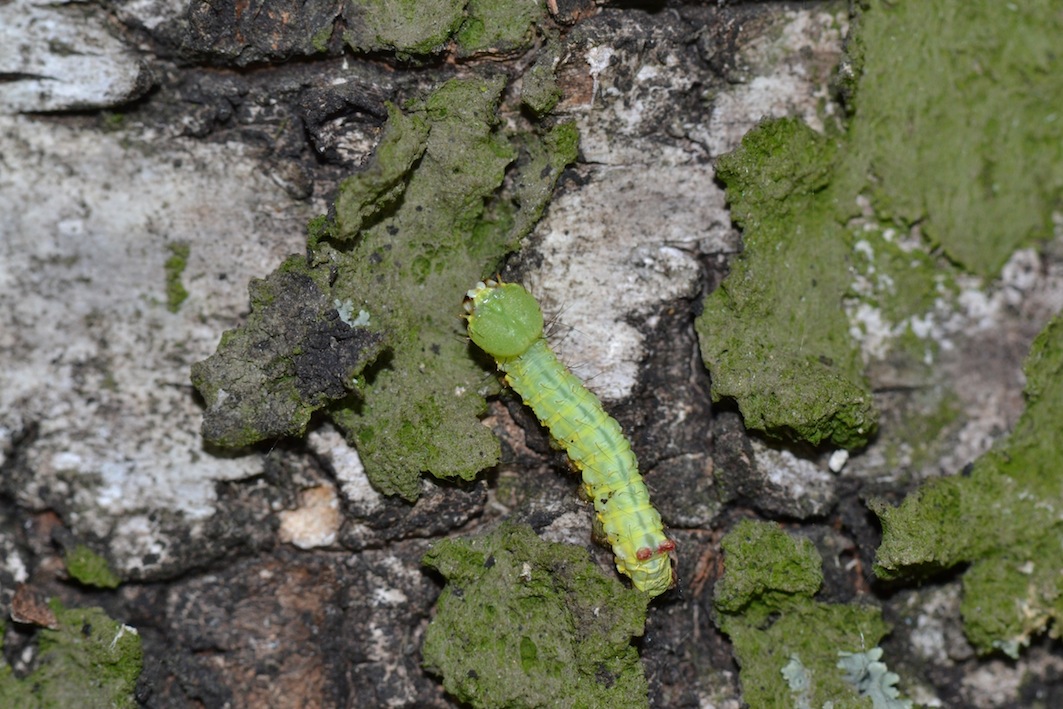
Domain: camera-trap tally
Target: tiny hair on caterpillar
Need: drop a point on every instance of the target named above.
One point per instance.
(506, 322)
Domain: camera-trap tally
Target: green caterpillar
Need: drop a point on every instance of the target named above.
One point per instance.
(505, 321)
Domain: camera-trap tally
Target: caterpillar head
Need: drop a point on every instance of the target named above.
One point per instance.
(504, 319)
(651, 571)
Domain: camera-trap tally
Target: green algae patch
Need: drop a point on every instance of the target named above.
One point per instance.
(500, 26)
(405, 27)
(474, 194)
(89, 568)
(1003, 518)
(539, 90)
(419, 28)
(952, 148)
(523, 622)
(787, 644)
(774, 334)
(957, 123)
(447, 194)
(375, 189)
(90, 661)
(176, 293)
(763, 561)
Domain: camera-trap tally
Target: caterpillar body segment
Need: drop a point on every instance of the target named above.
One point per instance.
(506, 322)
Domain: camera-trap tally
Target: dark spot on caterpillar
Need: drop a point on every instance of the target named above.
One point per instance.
(471, 674)
(489, 562)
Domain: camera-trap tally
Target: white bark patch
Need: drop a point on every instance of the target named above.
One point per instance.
(63, 58)
(94, 360)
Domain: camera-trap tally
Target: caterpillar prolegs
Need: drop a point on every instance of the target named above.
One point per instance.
(505, 321)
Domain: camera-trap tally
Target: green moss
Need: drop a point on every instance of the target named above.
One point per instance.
(406, 27)
(787, 644)
(774, 334)
(90, 661)
(1003, 519)
(320, 39)
(455, 224)
(934, 139)
(89, 568)
(956, 121)
(763, 560)
(175, 267)
(523, 622)
(539, 89)
(445, 197)
(412, 29)
(376, 188)
(499, 25)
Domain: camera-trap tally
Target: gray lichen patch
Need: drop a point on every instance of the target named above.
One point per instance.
(97, 420)
(789, 485)
(294, 355)
(524, 622)
(446, 195)
(1003, 518)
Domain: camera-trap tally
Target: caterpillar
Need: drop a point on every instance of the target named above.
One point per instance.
(506, 322)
